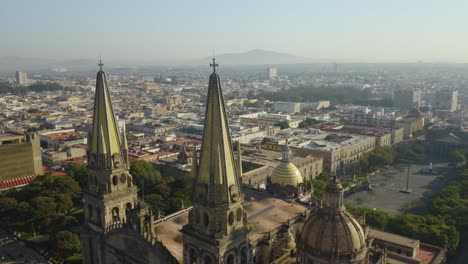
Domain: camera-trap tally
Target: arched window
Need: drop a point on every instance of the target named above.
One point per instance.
(244, 256)
(115, 214)
(98, 217)
(230, 259)
(206, 219)
(207, 260)
(128, 212)
(193, 256)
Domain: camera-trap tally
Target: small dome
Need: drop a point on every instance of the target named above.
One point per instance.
(332, 232)
(286, 174)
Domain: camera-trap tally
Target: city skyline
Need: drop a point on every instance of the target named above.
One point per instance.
(154, 32)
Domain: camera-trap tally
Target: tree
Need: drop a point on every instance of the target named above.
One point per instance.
(456, 156)
(64, 244)
(377, 158)
(144, 170)
(309, 122)
(58, 184)
(282, 124)
(64, 202)
(42, 207)
(7, 206)
(79, 172)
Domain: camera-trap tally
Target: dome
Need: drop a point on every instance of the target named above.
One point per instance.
(332, 232)
(286, 174)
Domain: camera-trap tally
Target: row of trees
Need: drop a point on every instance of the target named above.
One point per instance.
(377, 158)
(336, 94)
(429, 229)
(44, 207)
(39, 87)
(309, 122)
(166, 194)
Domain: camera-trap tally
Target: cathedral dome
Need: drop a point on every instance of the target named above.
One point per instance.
(332, 232)
(286, 174)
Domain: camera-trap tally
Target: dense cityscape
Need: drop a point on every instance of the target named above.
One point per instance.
(241, 157)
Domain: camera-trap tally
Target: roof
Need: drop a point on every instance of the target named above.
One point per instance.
(395, 239)
(264, 213)
(17, 182)
(286, 174)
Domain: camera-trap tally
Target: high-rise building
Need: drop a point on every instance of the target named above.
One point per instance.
(118, 228)
(272, 72)
(407, 99)
(217, 229)
(446, 100)
(21, 78)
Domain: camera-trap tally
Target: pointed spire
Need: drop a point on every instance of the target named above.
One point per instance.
(124, 138)
(105, 140)
(286, 153)
(218, 179)
(214, 64)
(239, 160)
(124, 144)
(194, 162)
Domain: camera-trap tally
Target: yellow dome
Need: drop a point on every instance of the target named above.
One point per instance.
(286, 174)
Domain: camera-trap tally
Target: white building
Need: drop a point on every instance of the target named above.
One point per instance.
(21, 78)
(272, 72)
(287, 107)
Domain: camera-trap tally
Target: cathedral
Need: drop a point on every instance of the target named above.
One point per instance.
(227, 223)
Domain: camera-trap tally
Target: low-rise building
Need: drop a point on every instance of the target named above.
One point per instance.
(413, 122)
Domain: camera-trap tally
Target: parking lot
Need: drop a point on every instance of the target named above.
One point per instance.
(386, 186)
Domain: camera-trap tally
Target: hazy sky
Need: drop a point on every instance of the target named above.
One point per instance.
(159, 31)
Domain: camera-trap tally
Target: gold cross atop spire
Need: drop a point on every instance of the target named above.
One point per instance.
(100, 64)
(214, 65)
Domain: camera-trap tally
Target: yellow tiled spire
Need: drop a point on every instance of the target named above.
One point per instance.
(217, 180)
(104, 146)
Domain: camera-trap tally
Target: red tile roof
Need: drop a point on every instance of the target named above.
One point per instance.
(17, 182)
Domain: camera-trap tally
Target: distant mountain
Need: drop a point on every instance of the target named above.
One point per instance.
(259, 56)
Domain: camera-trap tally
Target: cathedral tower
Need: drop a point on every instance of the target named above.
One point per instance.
(217, 229)
(111, 196)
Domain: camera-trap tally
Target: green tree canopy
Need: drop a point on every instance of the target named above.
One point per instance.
(282, 124)
(42, 207)
(456, 156)
(7, 206)
(309, 122)
(79, 172)
(64, 244)
(144, 170)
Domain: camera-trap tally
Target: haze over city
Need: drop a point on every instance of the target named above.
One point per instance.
(182, 32)
(233, 132)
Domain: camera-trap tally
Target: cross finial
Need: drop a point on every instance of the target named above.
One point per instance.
(100, 64)
(214, 65)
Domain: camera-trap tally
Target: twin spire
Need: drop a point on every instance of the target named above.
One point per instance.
(217, 175)
(105, 144)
